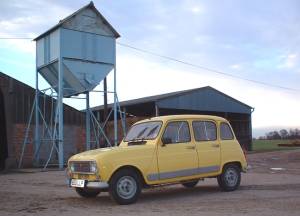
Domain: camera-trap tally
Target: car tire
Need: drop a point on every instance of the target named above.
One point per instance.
(190, 184)
(230, 178)
(125, 186)
(87, 193)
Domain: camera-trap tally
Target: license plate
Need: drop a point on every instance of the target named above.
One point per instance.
(77, 183)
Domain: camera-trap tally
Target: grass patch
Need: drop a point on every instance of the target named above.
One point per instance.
(270, 145)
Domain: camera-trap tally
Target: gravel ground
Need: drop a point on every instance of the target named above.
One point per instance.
(262, 192)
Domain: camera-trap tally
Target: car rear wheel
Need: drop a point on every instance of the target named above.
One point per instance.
(190, 184)
(230, 178)
(125, 187)
(86, 192)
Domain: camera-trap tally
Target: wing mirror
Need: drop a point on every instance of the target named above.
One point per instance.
(166, 140)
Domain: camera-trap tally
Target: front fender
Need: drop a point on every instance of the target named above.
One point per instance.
(142, 158)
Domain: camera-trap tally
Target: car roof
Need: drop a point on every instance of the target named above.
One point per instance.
(183, 117)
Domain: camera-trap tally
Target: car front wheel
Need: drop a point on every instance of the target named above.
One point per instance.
(125, 187)
(230, 178)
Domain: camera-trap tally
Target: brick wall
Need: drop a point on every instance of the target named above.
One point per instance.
(74, 143)
(18, 135)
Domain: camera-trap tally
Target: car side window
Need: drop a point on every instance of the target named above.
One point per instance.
(225, 132)
(204, 130)
(177, 132)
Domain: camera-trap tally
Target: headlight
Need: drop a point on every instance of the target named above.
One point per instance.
(72, 167)
(83, 166)
(93, 167)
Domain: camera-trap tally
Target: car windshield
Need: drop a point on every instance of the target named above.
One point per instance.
(143, 131)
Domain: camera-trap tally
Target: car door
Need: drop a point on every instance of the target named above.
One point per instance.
(207, 146)
(177, 158)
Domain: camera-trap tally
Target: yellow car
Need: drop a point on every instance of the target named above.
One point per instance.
(162, 150)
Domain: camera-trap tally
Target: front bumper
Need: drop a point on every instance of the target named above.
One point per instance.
(97, 185)
(92, 184)
(90, 180)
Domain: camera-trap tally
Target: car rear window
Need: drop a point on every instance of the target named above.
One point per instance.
(225, 132)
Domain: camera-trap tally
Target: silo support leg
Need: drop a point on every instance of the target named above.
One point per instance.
(88, 122)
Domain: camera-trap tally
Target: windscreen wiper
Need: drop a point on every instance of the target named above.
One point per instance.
(137, 141)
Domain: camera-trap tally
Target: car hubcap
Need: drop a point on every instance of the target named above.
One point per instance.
(231, 177)
(126, 187)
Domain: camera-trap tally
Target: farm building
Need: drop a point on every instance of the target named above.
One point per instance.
(206, 100)
(16, 100)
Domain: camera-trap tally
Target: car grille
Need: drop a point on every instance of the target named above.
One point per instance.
(82, 167)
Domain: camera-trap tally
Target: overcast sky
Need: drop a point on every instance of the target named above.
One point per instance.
(258, 40)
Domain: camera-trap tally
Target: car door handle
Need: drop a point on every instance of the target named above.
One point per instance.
(190, 147)
(215, 145)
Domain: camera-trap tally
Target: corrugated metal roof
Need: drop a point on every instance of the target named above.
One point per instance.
(204, 99)
(61, 22)
(164, 97)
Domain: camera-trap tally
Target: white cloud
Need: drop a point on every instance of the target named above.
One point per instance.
(193, 7)
(18, 23)
(289, 61)
(236, 66)
(26, 46)
(203, 39)
(275, 108)
(196, 9)
(29, 19)
(158, 27)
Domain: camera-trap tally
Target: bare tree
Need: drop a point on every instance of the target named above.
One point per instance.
(284, 134)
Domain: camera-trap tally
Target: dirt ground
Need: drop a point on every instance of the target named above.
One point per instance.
(263, 191)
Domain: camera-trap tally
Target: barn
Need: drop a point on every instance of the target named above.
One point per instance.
(16, 101)
(205, 100)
